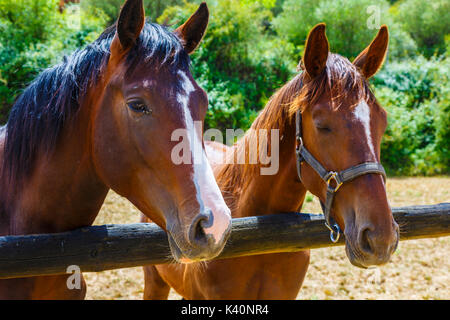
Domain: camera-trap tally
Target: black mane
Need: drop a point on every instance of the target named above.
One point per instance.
(48, 104)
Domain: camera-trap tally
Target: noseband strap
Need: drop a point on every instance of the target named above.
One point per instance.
(334, 180)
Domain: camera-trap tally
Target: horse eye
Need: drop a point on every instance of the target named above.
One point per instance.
(140, 107)
(324, 129)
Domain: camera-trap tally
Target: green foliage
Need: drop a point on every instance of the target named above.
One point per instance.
(153, 8)
(416, 94)
(33, 36)
(269, 4)
(428, 22)
(239, 63)
(251, 49)
(351, 25)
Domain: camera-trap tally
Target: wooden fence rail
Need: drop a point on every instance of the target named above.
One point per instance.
(108, 247)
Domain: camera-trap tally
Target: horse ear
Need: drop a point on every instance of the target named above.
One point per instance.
(131, 22)
(371, 59)
(192, 31)
(316, 51)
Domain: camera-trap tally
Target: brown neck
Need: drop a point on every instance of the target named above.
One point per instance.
(269, 194)
(64, 191)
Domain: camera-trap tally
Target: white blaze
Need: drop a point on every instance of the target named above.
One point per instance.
(362, 114)
(208, 192)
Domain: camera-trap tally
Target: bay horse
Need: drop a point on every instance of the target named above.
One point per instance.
(341, 125)
(103, 119)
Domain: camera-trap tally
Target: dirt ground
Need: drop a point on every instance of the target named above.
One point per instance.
(419, 269)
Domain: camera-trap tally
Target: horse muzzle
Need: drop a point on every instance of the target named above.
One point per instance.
(370, 247)
(198, 244)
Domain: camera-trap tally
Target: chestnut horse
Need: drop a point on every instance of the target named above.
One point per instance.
(103, 119)
(342, 126)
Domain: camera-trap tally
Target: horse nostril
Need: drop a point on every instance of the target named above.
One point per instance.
(197, 236)
(199, 232)
(365, 241)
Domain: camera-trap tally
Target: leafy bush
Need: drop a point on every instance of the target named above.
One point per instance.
(416, 94)
(428, 22)
(153, 8)
(34, 35)
(250, 50)
(239, 63)
(347, 22)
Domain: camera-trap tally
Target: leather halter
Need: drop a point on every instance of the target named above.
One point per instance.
(331, 177)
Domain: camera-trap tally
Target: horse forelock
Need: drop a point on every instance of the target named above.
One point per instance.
(341, 79)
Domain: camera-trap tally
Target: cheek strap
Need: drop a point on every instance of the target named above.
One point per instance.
(334, 180)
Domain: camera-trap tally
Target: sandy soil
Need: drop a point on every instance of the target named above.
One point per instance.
(420, 269)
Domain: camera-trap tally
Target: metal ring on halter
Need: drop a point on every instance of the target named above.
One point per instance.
(335, 232)
(334, 176)
(299, 144)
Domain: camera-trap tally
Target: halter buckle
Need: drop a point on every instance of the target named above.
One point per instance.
(334, 176)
